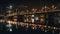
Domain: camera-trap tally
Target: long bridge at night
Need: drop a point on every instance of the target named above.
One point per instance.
(42, 16)
(42, 20)
(45, 19)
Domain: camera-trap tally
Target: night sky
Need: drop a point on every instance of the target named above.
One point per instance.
(29, 2)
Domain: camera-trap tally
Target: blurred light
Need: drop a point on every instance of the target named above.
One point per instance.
(36, 18)
(32, 20)
(45, 30)
(25, 20)
(27, 25)
(49, 27)
(54, 27)
(53, 6)
(32, 15)
(10, 29)
(11, 22)
(15, 20)
(42, 16)
(10, 6)
(33, 28)
(2, 20)
(41, 19)
(45, 26)
(34, 9)
(39, 26)
(8, 25)
(45, 6)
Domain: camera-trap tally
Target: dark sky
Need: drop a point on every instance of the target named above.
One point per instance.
(29, 2)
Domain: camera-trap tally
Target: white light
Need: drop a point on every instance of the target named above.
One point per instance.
(54, 28)
(34, 9)
(2, 20)
(32, 20)
(10, 29)
(33, 28)
(32, 15)
(9, 25)
(25, 20)
(36, 18)
(10, 7)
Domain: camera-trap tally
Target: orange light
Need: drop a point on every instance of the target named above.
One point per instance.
(42, 19)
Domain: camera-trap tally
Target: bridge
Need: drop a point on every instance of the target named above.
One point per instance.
(33, 25)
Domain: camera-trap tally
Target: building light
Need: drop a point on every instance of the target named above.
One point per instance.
(45, 26)
(34, 10)
(39, 26)
(54, 27)
(9, 22)
(27, 25)
(2, 20)
(32, 20)
(53, 6)
(10, 6)
(25, 20)
(33, 28)
(32, 15)
(36, 18)
(42, 19)
(42, 16)
(15, 20)
(8, 25)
